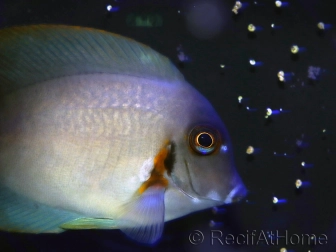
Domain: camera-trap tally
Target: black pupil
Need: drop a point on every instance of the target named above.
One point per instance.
(205, 140)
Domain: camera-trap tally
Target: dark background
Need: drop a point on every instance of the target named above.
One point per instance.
(311, 104)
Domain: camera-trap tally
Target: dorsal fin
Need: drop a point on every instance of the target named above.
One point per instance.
(30, 54)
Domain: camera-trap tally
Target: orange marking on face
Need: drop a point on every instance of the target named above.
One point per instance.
(156, 178)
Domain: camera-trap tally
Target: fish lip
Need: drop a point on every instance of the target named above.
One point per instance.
(220, 202)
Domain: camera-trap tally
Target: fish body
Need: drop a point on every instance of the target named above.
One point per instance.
(96, 127)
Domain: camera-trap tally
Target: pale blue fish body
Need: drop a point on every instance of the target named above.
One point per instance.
(84, 115)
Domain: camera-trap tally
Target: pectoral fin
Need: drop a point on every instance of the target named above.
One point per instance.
(143, 219)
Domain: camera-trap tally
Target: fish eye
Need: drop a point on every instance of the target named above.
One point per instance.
(204, 140)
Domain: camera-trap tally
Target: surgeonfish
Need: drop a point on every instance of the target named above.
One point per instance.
(98, 131)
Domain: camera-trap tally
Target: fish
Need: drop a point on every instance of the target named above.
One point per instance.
(99, 131)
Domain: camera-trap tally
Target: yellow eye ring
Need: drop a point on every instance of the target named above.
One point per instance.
(204, 140)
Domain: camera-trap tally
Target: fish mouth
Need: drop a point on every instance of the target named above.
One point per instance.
(196, 196)
(235, 195)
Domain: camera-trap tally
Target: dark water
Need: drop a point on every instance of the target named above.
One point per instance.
(211, 35)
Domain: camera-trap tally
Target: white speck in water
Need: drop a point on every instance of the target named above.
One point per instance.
(320, 25)
(268, 112)
(109, 7)
(281, 76)
(252, 62)
(298, 183)
(295, 49)
(249, 150)
(251, 28)
(236, 7)
(275, 200)
(278, 4)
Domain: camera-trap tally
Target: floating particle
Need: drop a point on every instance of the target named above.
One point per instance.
(236, 7)
(250, 150)
(320, 25)
(298, 183)
(280, 111)
(251, 28)
(281, 76)
(301, 142)
(283, 250)
(305, 165)
(243, 100)
(301, 184)
(251, 109)
(269, 112)
(287, 155)
(214, 224)
(111, 8)
(275, 27)
(254, 63)
(298, 142)
(295, 49)
(181, 55)
(222, 65)
(275, 200)
(278, 4)
(314, 72)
